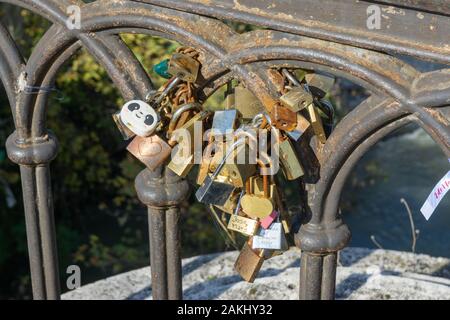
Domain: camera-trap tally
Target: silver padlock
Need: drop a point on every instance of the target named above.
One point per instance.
(271, 238)
(217, 192)
(224, 122)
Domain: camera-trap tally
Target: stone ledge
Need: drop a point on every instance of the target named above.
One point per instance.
(362, 274)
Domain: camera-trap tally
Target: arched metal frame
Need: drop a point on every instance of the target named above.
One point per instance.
(400, 94)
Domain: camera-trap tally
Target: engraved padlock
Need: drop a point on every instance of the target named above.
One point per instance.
(271, 238)
(240, 223)
(139, 117)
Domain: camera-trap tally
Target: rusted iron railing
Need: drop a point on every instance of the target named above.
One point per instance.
(298, 34)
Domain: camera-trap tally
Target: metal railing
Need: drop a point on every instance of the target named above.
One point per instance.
(300, 34)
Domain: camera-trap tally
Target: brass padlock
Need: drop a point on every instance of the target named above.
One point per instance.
(249, 262)
(152, 151)
(237, 173)
(316, 123)
(181, 163)
(242, 224)
(257, 206)
(290, 164)
(297, 99)
(213, 191)
(246, 102)
(184, 67)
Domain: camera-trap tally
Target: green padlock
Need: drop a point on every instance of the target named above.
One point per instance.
(162, 69)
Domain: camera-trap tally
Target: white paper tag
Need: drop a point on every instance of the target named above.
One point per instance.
(438, 193)
(270, 238)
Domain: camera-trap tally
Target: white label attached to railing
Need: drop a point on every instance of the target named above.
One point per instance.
(436, 196)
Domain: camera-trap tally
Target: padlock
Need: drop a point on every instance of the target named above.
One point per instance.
(236, 172)
(152, 151)
(139, 117)
(123, 129)
(217, 192)
(316, 122)
(184, 67)
(249, 262)
(242, 224)
(246, 103)
(283, 118)
(300, 129)
(177, 122)
(255, 205)
(319, 84)
(181, 163)
(224, 122)
(230, 205)
(297, 99)
(290, 164)
(271, 238)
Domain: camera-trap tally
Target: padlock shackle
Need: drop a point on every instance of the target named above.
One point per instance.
(177, 114)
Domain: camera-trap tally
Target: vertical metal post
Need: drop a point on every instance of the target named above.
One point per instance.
(34, 159)
(163, 192)
(158, 259)
(173, 246)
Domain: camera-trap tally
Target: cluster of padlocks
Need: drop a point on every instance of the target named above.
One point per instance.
(245, 193)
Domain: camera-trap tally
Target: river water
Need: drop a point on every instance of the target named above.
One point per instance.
(405, 166)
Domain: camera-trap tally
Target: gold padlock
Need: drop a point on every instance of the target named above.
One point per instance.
(237, 173)
(249, 262)
(184, 67)
(290, 164)
(181, 163)
(257, 206)
(316, 123)
(297, 99)
(243, 225)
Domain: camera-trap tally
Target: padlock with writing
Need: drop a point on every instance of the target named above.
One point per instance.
(139, 117)
(242, 224)
(271, 238)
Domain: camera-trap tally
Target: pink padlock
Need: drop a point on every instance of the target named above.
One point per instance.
(267, 221)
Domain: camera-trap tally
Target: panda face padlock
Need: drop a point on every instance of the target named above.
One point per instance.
(139, 117)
